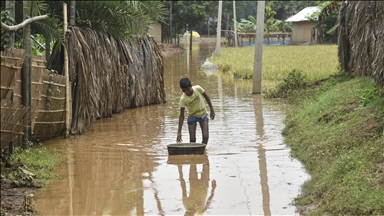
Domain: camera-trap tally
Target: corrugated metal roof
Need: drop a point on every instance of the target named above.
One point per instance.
(303, 14)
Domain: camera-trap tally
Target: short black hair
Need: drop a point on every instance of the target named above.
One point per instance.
(185, 83)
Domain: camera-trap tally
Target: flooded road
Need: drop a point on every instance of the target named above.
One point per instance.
(120, 166)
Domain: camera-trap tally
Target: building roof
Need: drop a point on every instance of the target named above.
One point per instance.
(303, 14)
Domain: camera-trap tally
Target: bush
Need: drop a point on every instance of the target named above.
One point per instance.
(294, 81)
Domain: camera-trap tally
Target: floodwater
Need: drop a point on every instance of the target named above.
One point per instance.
(121, 166)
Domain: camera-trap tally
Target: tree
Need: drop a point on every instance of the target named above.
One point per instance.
(10, 6)
(285, 9)
(192, 13)
(327, 18)
(269, 21)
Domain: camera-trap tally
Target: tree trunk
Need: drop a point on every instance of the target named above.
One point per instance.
(72, 13)
(47, 48)
(10, 5)
(26, 71)
(227, 25)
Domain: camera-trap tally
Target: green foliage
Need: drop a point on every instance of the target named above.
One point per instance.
(286, 9)
(247, 25)
(122, 19)
(370, 95)
(340, 144)
(329, 22)
(7, 19)
(294, 81)
(193, 13)
(31, 167)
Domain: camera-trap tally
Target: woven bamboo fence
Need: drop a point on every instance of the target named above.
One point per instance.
(14, 116)
(38, 68)
(361, 39)
(50, 119)
(109, 75)
(14, 119)
(11, 63)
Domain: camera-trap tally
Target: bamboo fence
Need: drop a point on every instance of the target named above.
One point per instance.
(11, 64)
(14, 118)
(109, 75)
(361, 38)
(38, 68)
(50, 119)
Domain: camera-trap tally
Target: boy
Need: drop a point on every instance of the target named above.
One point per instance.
(193, 98)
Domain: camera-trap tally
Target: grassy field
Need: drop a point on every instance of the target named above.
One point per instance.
(315, 62)
(335, 125)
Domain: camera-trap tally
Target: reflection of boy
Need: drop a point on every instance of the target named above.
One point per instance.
(195, 203)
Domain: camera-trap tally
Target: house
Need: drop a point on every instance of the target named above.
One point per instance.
(302, 28)
(156, 29)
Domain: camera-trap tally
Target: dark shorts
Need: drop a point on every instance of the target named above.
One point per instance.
(192, 120)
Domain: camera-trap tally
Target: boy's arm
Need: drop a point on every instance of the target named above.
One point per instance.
(181, 120)
(212, 114)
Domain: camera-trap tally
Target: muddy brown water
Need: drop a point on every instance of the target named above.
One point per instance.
(121, 166)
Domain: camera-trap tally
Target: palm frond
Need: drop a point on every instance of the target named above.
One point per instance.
(50, 28)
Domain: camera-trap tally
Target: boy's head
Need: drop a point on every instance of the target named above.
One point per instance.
(186, 86)
(185, 83)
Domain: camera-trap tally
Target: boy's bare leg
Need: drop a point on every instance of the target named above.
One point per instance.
(192, 133)
(204, 131)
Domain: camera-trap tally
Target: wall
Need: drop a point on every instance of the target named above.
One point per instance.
(301, 31)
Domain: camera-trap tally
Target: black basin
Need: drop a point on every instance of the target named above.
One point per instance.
(186, 148)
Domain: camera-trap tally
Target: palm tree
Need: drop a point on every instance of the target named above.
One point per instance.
(121, 19)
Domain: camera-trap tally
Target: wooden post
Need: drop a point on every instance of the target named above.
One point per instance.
(258, 48)
(190, 40)
(218, 33)
(234, 22)
(26, 71)
(66, 73)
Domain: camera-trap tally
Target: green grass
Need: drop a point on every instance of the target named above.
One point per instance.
(316, 62)
(339, 137)
(32, 167)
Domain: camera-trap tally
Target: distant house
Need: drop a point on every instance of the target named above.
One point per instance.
(302, 28)
(156, 29)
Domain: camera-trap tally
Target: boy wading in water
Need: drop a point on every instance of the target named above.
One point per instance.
(193, 99)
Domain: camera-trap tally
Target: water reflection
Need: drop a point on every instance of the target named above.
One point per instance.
(195, 200)
(261, 151)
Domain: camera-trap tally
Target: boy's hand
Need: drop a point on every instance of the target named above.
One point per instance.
(178, 139)
(212, 114)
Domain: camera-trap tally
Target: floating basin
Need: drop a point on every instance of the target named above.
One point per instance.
(186, 148)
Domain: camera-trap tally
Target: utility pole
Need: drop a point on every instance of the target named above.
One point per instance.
(170, 20)
(218, 37)
(234, 23)
(258, 48)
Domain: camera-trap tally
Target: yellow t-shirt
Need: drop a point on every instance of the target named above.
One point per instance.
(195, 103)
